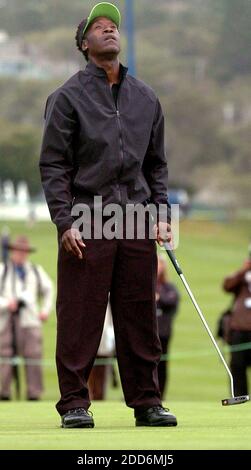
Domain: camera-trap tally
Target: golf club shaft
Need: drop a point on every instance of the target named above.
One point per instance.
(208, 331)
(183, 279)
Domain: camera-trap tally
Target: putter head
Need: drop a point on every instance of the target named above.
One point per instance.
(235, 400)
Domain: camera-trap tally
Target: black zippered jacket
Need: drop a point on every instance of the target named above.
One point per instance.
(93, 148)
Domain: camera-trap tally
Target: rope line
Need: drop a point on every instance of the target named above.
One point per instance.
(17, 360)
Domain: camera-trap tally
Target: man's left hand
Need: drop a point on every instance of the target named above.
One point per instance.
(163, 232)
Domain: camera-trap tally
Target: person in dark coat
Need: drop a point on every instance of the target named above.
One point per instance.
(104, 138)
(239, 284)
(5, 240)
(167, 298)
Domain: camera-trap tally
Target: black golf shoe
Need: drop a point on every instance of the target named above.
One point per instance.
(155, 416)
(77, 418)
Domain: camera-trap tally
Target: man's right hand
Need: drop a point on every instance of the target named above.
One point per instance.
(73, 243)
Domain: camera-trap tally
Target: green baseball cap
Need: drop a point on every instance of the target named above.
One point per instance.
(108, 10)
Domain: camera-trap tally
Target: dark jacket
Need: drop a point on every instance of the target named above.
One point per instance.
(90, 147)
(167, 306)
(238, 285)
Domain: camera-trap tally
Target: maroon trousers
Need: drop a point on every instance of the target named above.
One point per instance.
(126, 269)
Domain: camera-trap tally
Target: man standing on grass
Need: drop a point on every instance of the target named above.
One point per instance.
(26, 295)
(104, 136)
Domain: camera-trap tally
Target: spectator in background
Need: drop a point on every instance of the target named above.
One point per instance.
(239, 284)
(100, 373)
(167, 299)
(5, 239)
(25, 302)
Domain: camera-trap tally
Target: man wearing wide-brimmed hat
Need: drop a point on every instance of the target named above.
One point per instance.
(25, 302)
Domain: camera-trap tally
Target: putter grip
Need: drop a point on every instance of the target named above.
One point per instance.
(171, 255)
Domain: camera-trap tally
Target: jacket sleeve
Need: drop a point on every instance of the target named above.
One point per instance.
(56, 162)
(232, 283)
(155, 166)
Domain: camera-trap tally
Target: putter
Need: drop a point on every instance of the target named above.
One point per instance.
(227, 401)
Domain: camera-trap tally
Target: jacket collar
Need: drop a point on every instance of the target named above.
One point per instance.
(93, 69)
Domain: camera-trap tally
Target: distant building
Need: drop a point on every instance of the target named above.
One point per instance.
(16, 204)
(19, 60)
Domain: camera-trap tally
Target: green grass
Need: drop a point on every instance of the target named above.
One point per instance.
(208, 251)
(202, 425)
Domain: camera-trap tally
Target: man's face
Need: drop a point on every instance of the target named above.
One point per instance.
(102, 38)
(19, 257)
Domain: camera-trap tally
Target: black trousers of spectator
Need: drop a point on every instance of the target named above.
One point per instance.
(240, 360)
(126, 269)
(163, 367)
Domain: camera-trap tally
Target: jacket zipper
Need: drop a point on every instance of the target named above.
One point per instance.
(121, 150)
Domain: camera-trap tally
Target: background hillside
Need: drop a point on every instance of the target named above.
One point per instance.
(194, 53)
